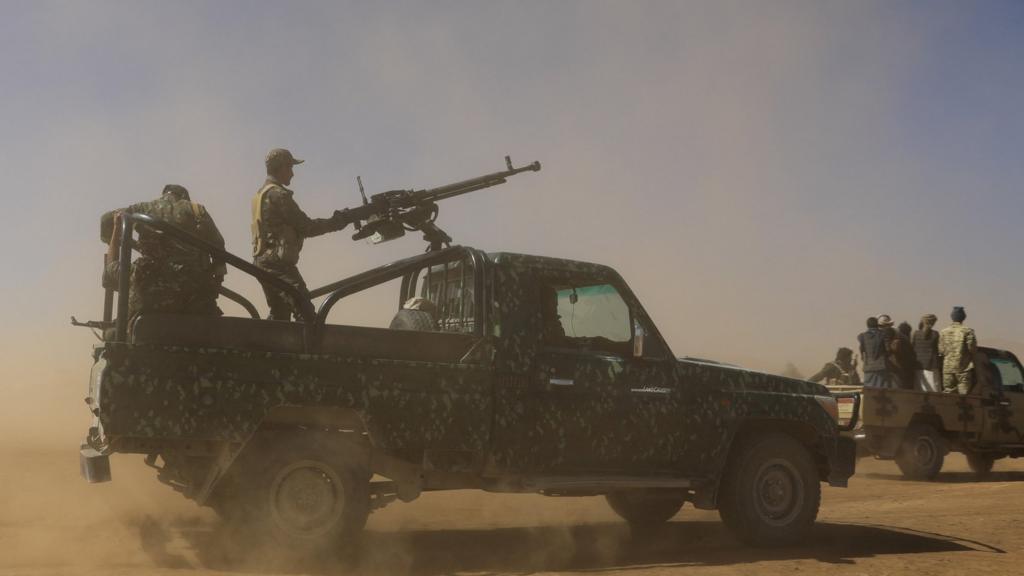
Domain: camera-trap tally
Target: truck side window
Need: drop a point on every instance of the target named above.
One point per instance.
(587, 317)
(446, 291)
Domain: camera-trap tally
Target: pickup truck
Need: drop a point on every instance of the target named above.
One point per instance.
(500, 372)
(918, 429)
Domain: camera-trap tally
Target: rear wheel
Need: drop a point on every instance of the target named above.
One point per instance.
(922, 453)
(981, 464)
(646, 508)
(771, 492)
(305, 499)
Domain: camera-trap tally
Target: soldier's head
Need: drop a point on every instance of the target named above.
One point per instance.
(279, 163)
(958, 314)
(176, 191)
(884, 321)
(872, 322)
(844, 355)
(928, 320)
(905, 329)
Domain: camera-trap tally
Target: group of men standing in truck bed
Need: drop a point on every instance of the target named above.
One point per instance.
(909, 359)
(172, 277)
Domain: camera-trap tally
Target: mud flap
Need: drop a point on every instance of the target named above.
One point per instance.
(95, 467)
(845, 462)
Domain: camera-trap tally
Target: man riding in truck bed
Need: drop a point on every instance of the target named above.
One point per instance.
(279, 228)
(957, 345)
(168, 276)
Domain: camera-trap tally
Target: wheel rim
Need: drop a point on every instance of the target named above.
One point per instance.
(778, 492)
(924, 451)
(306, 499)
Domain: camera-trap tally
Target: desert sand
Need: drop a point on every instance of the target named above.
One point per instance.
(52, 522)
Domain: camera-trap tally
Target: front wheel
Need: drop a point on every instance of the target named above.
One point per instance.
(646, 508)
(771, 492)
(922, 453)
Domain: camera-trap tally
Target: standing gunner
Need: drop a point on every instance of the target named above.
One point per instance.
(279, 228)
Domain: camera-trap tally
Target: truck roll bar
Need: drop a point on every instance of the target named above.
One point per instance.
(128, 223)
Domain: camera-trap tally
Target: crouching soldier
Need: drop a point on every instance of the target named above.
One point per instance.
(840, 372)
(168, 276)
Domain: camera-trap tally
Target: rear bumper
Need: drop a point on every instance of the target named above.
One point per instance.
(844, 463)
(95, 467)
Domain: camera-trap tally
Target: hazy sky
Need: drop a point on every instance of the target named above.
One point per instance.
(765, 174)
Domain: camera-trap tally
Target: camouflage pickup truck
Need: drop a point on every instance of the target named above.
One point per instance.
(918, 429)
(499, 372)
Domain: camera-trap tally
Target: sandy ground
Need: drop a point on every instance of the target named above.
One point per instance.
(52, 522)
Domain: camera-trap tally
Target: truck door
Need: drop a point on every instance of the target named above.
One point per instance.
(585, 347)
(565, 337)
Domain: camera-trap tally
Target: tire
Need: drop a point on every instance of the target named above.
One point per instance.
(645, 508)
(418, 320)
(771, 492)
(305, 500)
(922, 453)
(981, 464)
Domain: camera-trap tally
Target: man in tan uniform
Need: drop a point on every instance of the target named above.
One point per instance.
(957, 345)
(279, 228)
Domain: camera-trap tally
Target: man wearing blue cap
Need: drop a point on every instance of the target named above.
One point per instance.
(957, 345)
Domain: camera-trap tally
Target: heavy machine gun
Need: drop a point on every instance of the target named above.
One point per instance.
(389, 215)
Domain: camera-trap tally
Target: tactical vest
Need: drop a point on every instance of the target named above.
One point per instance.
(874, 351)
(926, 349)
(257, 218)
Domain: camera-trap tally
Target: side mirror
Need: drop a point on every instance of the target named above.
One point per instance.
(638, 339)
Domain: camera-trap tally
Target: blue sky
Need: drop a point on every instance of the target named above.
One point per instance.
(765, 174)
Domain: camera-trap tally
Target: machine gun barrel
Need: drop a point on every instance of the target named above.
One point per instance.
(474, 184)
(388, 215)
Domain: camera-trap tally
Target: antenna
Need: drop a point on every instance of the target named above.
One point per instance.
(359, 180)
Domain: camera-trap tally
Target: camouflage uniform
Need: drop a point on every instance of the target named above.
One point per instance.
(279, 227)
(170, 276)
(957, 345)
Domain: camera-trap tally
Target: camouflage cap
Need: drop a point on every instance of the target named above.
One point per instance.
(279, 156)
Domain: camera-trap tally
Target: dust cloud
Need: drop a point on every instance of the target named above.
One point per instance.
(764, 175)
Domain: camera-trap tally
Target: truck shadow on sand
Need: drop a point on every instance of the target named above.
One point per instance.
(590, 547)
(957, 477)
